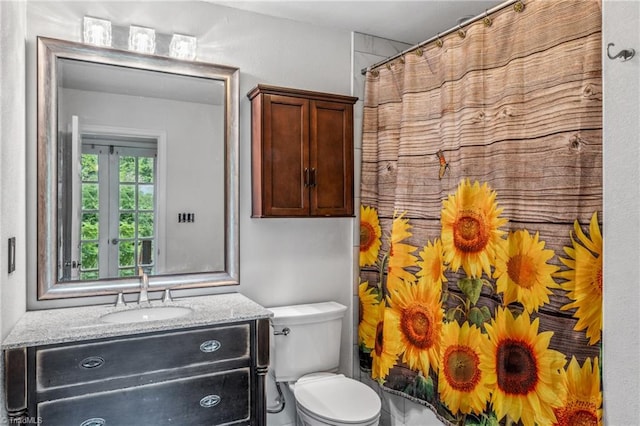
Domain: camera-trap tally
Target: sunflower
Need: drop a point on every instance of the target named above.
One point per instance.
(432, 265)
(522, 272)
(385, 351)
(525, 372)
(583, 403)
(470, 228)
(400, 256)
(584, 279)
(370, 234)
(464, 366)
(368, 318)
(414, 318)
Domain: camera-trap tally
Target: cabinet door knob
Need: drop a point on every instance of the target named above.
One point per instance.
(92, 362)
(210, 401)
(210, 346)
(95, 421)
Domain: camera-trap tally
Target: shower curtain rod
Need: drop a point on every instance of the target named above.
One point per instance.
(439, 35)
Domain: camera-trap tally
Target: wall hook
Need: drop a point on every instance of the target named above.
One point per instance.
(625, 54)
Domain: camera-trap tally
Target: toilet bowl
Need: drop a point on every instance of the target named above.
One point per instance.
(333, 399)
(305, 354)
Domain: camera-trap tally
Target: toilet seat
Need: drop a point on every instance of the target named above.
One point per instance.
(336, 399)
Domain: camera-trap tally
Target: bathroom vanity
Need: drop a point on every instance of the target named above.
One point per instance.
(208, 367)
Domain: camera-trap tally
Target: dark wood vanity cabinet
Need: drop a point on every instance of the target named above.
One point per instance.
(204, 376)
(302, 153)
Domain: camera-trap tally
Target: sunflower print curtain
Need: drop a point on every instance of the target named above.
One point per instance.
(481, 238)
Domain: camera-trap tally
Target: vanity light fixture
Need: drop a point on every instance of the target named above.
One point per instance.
(97, 31)
(142, 39)
(182, 47)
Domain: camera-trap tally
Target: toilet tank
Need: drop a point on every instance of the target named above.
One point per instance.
(312, 343)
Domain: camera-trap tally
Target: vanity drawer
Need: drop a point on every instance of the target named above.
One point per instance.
(214, 399)
(98, 361)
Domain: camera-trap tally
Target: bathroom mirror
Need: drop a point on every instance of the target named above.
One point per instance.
(137, 171)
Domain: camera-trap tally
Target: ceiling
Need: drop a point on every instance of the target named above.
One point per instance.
(407, 21)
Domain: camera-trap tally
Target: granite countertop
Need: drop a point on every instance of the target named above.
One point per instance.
(50, 326)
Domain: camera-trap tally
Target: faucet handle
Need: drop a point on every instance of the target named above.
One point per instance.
(120, 300)
(143, 297)
(166, 297)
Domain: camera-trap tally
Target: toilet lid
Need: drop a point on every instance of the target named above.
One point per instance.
(337, 398)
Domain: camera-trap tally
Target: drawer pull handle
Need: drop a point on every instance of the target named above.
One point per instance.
(210, 401)
(92, 362)
(96, 421)
(210, 346)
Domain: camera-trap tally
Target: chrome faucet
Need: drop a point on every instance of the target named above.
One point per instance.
(144, 287)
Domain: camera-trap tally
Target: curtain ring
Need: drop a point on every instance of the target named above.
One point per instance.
(402, 59)
(418, 51)
(388, 66)
(462, 33)
(439, 42)
(375, 73)
(518, 6)
(487, 21)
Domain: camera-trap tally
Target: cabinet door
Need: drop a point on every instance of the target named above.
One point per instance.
(331, 159)
(285, 156)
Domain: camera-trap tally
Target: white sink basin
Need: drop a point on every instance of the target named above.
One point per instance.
(155, 313)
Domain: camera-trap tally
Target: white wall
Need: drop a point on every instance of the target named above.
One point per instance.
(282, 261)
(12, 154)
(621, 335)
(12, 172)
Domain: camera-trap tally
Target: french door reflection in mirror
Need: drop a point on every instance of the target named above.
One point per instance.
(118, 211)
(112, 229)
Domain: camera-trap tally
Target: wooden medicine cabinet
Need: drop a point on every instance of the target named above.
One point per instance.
(302, 153)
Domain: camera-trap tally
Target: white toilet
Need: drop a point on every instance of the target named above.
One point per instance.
(305, 353)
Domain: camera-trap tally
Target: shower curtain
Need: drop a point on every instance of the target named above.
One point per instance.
(481, 219)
